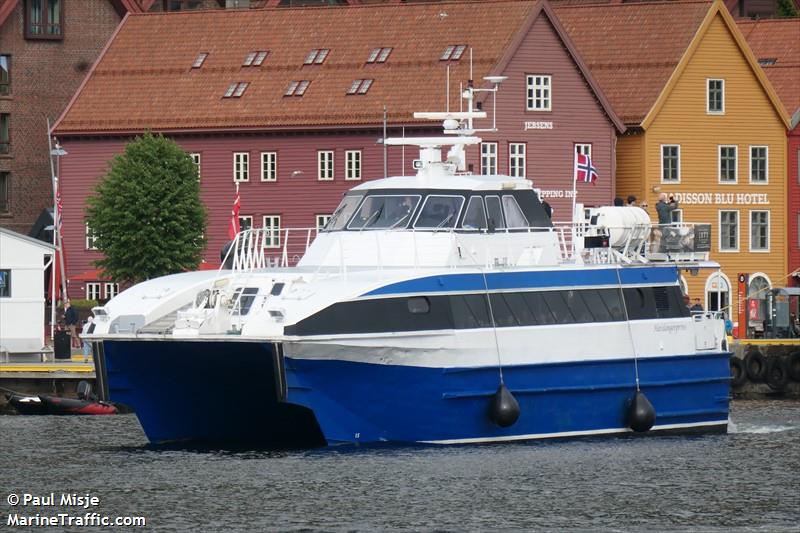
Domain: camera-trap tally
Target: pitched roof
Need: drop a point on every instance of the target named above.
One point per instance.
(145, 79)
(633, 48)
(778, 40)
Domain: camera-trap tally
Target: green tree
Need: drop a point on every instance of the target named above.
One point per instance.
(787, 8)
(146, 213)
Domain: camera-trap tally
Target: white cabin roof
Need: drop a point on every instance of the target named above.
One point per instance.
(471, 182)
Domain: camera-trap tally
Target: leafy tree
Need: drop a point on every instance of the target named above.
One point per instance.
(787, 8)
(146, 213)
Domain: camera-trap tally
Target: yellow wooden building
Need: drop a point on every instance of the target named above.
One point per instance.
(704, 125)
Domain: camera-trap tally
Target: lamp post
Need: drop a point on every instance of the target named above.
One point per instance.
(56, 151)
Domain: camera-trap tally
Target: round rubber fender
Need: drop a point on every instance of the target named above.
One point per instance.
(738, 373)
(777, 373)
(755, 364)
(793, 365)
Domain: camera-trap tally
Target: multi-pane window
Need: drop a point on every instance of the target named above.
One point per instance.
(379, 55)
(241, 166)
(5, 192)
(352, 169)
(453, 52)
(43, 19)
(255, 59)
(316, 56)
(359, 86)
(5, 74)
(539, 92)
(488, 158)
(676, 216)
(111, 290)
(272, 227)
(5, 133)
(297, 88)
(269, 166)
(516, 160)
(759, 231)
(322, 221)
(245, 222)
(93, 291)
(583, 149)
(759, 165)
(727, 164)
(670, 163)
(91, 239)
(196, 160)
(325, 165)
(236, 89)
(729, 230)
(715, 96)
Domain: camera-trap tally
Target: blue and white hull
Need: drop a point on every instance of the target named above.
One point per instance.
(247, 393)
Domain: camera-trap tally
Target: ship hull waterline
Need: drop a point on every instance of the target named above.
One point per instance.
(244, 393)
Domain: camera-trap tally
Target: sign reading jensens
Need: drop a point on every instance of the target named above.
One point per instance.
(721, 198)
(539, 125)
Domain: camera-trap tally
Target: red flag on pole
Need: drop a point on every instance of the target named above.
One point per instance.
(584, 170)
(233, 227)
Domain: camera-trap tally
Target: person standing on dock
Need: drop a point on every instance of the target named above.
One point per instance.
(88, 328)
(71, 321)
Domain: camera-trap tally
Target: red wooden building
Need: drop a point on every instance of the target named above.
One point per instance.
(776, 44)
(290, 104)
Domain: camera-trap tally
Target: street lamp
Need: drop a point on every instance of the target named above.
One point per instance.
(58, 152)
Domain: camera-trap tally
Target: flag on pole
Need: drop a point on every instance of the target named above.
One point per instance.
(584, 170)
(233, 227)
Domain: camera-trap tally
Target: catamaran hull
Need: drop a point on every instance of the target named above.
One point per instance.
(243, 393)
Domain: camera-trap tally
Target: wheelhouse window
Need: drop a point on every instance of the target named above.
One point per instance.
(385, 212)
(494, 212)
(475, 215)
(439, 212)
(343, 212)
(514, 215)
(43, 19)
(715, 97)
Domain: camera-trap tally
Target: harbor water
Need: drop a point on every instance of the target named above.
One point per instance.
(747, 480)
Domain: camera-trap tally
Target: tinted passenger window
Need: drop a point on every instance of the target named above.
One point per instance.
(503, 315)
(539, 308)
(640, 303)
(523, 314)
(558, 306)
(495, 212)
(469, 311)
(475, 217)
(577, 306)
(419, 305)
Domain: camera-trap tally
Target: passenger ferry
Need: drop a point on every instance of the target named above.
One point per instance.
(444, 307)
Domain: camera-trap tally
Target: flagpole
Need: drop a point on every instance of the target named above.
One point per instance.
(53, 265)
(574, 181)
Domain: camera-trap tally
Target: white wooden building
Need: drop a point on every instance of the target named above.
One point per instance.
(22, 292)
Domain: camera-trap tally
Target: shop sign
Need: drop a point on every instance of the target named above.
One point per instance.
(539, 125)
(554, 193)
(721, 198)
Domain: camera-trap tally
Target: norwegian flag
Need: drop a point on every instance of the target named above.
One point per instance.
(59, 210)
(233, 227)
(584, 170)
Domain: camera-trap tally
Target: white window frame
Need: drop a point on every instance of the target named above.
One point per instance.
(708, 97)
(676, 216)
(735, 166)
(325, 165)
(91, 238)
(110, 289)
(750, 244)
(584, 149)
(738, 231)
(517, 160)
(489, 158)
(766, 164)
(241, 166)
(245, 217)
(271, 224)
(534, 83)
(352, 165)
(196, 159)
(678, 179)
(93, 290)
(269, 166)
(322, 221)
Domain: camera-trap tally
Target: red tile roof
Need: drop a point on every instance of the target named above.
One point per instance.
(633, 48)
(144, 80)
(778, 39)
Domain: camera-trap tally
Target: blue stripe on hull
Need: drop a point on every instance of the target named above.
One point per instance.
(207, 392)
(530, 280)
(357, 402)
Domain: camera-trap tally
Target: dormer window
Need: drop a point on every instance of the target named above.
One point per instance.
(255, 59)
(767, 61)
(359, 87)
(316, 56)
(379, 55)
(297, 88)
(453, 52)
(199, 60)
(236, 90)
